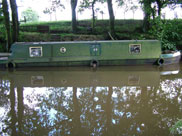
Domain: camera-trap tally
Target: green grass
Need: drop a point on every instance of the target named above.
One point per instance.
(47, 23)
(125, 30)
(84, 28)
(101, 25)
(33, 37)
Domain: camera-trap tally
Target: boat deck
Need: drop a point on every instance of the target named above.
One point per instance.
(3, 58)
(4, 54)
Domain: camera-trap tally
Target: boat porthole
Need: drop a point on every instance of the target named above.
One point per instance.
(160, 61)
(11, 65)
(62, 49)
(94, 63)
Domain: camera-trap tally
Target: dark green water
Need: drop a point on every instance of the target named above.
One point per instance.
(109, 101)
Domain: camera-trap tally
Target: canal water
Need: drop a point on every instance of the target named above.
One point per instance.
(107, 101)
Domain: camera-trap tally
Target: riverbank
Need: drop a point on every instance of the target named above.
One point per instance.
(125, 30)
(61, 31)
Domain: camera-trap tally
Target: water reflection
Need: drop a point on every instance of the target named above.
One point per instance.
(82, 101)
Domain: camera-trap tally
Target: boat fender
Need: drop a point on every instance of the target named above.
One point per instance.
(94, 63)
(160, 61)
(11, 65)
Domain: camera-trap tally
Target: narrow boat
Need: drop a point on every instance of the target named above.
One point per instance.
(88, 53)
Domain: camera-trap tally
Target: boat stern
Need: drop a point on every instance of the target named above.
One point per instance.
(169, 58)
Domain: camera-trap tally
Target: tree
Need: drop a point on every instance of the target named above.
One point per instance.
(7, 23)
(124, 5)
(1, 12)
(147, 14)
(161, 4)
(15, 22)
(102, 13)
(48, 11)
(30, 15)
(134, 8)
(89, 4)
(111, 18)
(73, 9)
(164, 3)
(155, 10)
(127, 5)
(55, 4)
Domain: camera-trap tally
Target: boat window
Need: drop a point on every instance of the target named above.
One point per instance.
(62, 49)
(35, 51)
(135, 48)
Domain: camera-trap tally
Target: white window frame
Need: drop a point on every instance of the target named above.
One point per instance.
(30, 49)
(140, 48)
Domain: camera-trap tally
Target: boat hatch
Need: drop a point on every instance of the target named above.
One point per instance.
(35, 51)
(95, 49)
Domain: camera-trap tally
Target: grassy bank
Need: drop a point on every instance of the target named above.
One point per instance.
(125, 29)
(169, 32)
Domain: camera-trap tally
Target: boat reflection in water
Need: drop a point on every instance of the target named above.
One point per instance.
(82, 101)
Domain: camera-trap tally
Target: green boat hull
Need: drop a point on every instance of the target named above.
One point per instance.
(88, 53)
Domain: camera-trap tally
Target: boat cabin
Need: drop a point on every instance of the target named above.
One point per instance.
(124, 52)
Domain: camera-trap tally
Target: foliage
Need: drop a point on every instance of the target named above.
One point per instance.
(2, 37)
(30, 15)
(153, 8)
(167, 32)
(177, 128)
(2, 32)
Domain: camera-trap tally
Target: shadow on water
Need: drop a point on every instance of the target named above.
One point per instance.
(141, 100)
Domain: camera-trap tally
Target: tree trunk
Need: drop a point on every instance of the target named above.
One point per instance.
(74, 22)
(159, 6)
(147, 13)
(14, 20)
(146, 23)
(7, 23)
(93, 15)
(111, 17)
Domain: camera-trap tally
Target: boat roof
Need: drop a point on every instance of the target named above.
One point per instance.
(68, 42)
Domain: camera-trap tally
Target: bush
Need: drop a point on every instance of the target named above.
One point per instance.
(167, 31)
